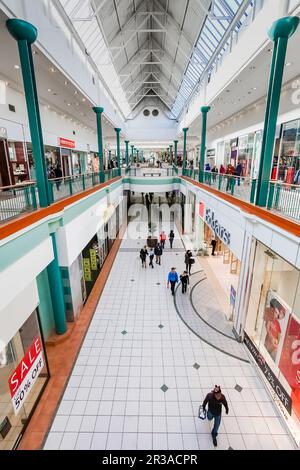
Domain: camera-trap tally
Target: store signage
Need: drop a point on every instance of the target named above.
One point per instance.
(201, 209)
(218, 230)
(211, 152)
(269, 375)
(87, 269)
(232, 296)
(22, 380)
(62, 142)
(290, 357)
(3, 133)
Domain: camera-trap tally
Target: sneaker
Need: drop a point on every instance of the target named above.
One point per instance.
(215, 441)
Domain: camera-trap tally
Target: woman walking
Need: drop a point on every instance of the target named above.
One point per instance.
(143, 256)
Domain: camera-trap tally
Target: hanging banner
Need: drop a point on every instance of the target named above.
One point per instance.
(22, 380)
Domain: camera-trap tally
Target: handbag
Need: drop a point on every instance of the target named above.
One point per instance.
(201, 412)
(192, 260)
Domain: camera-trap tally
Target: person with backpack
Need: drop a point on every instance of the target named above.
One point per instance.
(143, 256)
(215, 399)
(189, 260)
(184, 278)
(151, 256)
(172, 279)
(158, 252)
(171, 238)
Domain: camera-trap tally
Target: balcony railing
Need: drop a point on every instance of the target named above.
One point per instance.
(282, 197)
(23, 198)
(151, 172)
(16, 200)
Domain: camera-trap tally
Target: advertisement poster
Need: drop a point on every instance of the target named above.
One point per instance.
(289, 364)
(23, 378)
(87, 269)
(276, 316)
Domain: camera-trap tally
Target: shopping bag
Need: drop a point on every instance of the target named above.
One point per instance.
(192, 260)
(201, 412)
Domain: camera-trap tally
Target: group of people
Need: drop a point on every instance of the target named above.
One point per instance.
(230, 170)
(173, 277)
(157, 251)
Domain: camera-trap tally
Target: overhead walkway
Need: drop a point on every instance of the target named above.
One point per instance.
(141, 373)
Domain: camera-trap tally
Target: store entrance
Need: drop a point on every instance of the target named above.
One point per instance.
(225, 268)
(66, 162)
(5, 179)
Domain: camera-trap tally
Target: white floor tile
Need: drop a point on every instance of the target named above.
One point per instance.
(53, 441)
(68, 441)
(99, 441)
(84, 441)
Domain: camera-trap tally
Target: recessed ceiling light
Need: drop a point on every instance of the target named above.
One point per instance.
(83, 99)
(69, 104)
(288, 64)
(75, 92)
(227, 91)
(66, 82)
(238, 80)
(252, 67)
(49, 89)
(254, 88)
(52, 69)
(77, 104)
(17, 66)
(6, 83)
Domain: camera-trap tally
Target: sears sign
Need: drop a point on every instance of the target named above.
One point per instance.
(218, 230)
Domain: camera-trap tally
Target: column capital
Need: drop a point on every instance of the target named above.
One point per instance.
(283, 28)
(205, 109)
(126, 141)
(185, 129)
(175, 141)
(117, 129)
(98, 109)
(22, 30)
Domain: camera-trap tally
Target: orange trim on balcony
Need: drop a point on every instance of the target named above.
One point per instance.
(24, 221)
(274, 219)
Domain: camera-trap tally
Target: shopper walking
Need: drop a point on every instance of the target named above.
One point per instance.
(158, 252)
(143, 256)
(163, 237)
(171, 238)
(184, 278)
(238, 172)
(189, 260)
(151, 256)
(172, 279)
(213, 244)
(215, 400)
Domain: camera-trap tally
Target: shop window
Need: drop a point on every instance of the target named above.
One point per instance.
(273, 321)
(23, 376)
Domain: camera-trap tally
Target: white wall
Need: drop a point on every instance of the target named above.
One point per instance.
(53, 125)
(151, 128)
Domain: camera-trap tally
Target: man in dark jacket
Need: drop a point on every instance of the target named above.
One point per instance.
(158, 252)
(215, 400)
(189, 260)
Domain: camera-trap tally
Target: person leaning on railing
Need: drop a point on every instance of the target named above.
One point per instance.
(214, 172)
(230, 171)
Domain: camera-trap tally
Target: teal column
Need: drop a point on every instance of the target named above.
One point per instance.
(127, 152)
(204, 111)
(185, 129)
(137, 155)
(132, 155)
(118, 130)
(279, 33)
(109, 157)
(175, 151)
(25, 34)
(57, 293)
(98, 111)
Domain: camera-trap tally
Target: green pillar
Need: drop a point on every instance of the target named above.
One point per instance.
(279, 33)
(137, 155)
(185, 129)
(132, 155)
(127, 152)
(25, 34)
(175, 151)
(98, 111)
(204, 111)
(109, 157)
(56, 290)
(118, 130)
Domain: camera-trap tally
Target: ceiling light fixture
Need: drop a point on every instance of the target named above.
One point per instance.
(16, 66)
(49, 89)
(66, 83)
(288, 64)
(52, 69)
(69, 104)
(83, 99)
(75, 92)
(252, 67)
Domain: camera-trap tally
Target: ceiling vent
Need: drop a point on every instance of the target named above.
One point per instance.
(155, 112)
(12, 108)
(146, 112)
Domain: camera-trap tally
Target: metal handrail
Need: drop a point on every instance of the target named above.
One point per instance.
(18, 185)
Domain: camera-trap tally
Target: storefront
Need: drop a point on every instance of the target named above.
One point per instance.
(223, 262)
(66, 146)
(272, 330)
(23, 376)
(288, 154)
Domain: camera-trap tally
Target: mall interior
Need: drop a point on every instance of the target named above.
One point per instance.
(167, 124)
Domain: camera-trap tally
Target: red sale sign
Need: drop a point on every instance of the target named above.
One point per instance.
(22, 380)
(290, 357)
(62, 142)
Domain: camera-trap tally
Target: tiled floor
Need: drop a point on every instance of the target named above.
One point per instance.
(135, 345)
